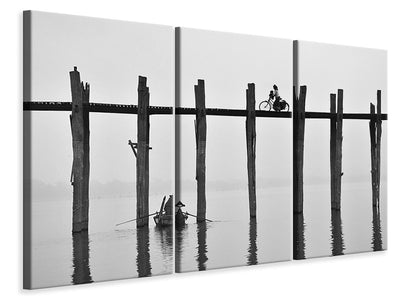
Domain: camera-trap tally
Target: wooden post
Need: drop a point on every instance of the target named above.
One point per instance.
(339, 141)
(333, 149)
(142, 160)
(375, 130)
(251, 147)
(201, 134)
(378, 147)
(298, 144)
(79, 119)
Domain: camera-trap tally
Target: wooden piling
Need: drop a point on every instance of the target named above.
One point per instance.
(339, 142)
(378, 146)
(79, 119)
(201, 134)
(299, 105)
(142, 160)
(375, 129)
(333, 149)
(251, 147)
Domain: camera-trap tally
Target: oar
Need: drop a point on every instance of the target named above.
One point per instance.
(136, 219)
(196, 217)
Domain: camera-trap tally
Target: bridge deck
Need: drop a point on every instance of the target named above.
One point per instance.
(166, 110)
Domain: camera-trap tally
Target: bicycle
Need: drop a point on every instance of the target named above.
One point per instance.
(268, 105)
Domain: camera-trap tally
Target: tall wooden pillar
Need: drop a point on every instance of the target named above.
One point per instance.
(201, 134)
(298, 145)
(79, 119)
(336, 149)
(251, 147)
(375, 128)
(142, 159)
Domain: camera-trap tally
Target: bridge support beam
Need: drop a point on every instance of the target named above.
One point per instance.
(251, 147)
(375, 130)
(142, 158)
(299, 105)
(79, 119)
(336, 140)
(201, 134)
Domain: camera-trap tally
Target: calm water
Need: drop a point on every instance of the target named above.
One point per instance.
(232, 239)
(107, 252)
(357, 228)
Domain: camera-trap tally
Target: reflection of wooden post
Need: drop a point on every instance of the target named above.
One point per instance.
(201, 134)
(336, 233)
(142, 161)
(339, 140)
(80, 144)
(375, 128)
(336, 149)
(298, 236)
(80, 254)
(251, 147)
(298, 144)
(143, 252)
(252, 250)
(202, 246)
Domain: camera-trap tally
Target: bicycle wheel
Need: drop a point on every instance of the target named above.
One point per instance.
(287, 107)
(264, 105)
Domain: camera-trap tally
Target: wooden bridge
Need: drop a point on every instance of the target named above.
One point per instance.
(80, 107)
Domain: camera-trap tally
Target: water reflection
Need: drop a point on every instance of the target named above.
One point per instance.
(143, 253)
(80, 254)
(179, 238)
(164, 239)
(202, 246)
(336, 233)
(376, 229)
(298, 236)
(252, 250)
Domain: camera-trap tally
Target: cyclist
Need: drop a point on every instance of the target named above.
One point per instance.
(277, 103)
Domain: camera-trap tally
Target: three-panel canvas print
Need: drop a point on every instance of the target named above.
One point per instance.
(152, 150)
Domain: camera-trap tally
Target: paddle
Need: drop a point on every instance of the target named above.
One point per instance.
(136, 219)
(196, 217)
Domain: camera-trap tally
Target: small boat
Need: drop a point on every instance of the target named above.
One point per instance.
(180, 216)
(164, 216)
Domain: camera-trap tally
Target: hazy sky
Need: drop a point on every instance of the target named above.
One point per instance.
(228, 62)
(110, 55)
(360, 72)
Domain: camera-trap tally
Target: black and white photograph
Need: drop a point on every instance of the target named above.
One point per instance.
(233, 150)
(340, 150)
(98, 149)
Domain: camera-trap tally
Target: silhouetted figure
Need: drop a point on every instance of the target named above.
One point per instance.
(202, 245)
(298, 236)
(143, 252)
(376, 229)
(80, 254)
(277, 102)
(252, 250)
(336, 233)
